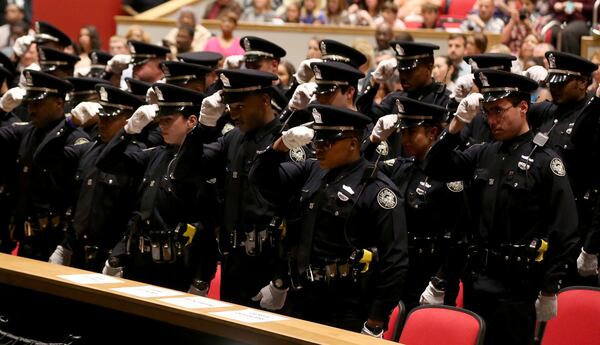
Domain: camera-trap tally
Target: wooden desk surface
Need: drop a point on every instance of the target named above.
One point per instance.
(43, 277)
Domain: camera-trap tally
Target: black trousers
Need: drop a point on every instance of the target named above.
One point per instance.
(342, 304)
(507, 307)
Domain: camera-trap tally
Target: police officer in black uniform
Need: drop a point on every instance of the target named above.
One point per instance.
(351, 255)
(84, 93)
(210, 60)
(522, 206)
(99, 60)
(104, 201)
(48, 35)
(138, 88)
(44, 177)
(188, 75)
(250, 233)
(56, 62)
(170, 241)
(434, 210)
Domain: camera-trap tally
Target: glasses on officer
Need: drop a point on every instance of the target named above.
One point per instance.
(497, 111)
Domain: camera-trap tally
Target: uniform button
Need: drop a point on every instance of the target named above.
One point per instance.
(337, 213)
(89, 182)
(565, 147)
(516, 184)
(110, 181)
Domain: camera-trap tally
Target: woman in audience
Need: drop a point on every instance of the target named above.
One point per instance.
(364, 13)
(285, 72)
(444, 71)
(226, 44)
(526, 51)
(260, 12)
(335, 13)
(310, 12)
(476, 43)
(389, 14)
(292, 13)
(136, 32)
(88, 40)
(313, 48)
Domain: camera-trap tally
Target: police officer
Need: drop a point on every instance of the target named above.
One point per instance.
(44, 177)
(138, 88)
(351, 252)
(262, 55)
(99, 60)
(170, 241)
(104, 201)
(521, 204)
(250, 233)
(188, 75)
(144, 61)
(83, 99)
(48, 35)
(56, 62)
(434, 210)
(207, 59)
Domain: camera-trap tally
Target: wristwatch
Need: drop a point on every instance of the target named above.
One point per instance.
(439, 283)
(200, 284)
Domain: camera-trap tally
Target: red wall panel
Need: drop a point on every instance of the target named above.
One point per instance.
(71, 15)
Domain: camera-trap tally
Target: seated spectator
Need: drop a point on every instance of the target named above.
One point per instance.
(188, 17)
(364, 12)
(184, 39)
(596, 75)
(484, 20)
(13, 14)
(444, 72)
(410, 10)
(285, 72)
(137, 33)
(88, 40)
(308, 16)
(292, 13)
(118, 45)
(575, 15)
(517, 28)
(313, 48)
(431, 16)
(217, 8)
(383, 35)
(226, 44)
(539, 53)
(259, 12)
(476, 43)
(389, 14)
(526, 49)
(135, 7)
(335, 12)
(17, 30)
(457, 46)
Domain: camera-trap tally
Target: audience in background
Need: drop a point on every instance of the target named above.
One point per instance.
(14, 17)
(285, 72)
(292, 12)
(226, 44)
(310, 14)
(476, 43)
(313, 51)
(136, 32)
(431, 16)
(518, 27)
(444, 71)
(187, 17)
(335, 13)
(484, 20)
(389, 14)
(259, 12)
(88, 40)
(457, 45)
(135, 7)
(383, 35)
(118, 45)
(217, 8)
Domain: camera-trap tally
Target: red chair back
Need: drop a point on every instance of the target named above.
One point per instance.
(578, 318)
(440, 324)
(214, 291)
(460, 8)
(395, 323)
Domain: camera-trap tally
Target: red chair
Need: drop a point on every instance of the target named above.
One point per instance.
(214, 291)
(578, 317)
(459, 8)
(441, 324)
(395, 323)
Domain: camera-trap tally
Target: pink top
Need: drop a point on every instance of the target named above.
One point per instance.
(213, 45)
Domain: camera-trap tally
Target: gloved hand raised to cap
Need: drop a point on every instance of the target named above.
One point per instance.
(302, 96)
(212, 109)
(297, 137)
(537, 73)
(385, 70)
(304, 73)
(385, 126)
(141, 118)
(270, 297)
(462, 87)
(85, 111)
(468, 108)
(22, 44)
(12, 99)
(118, 63)
(233, 62)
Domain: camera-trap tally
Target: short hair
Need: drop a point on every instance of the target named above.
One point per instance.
(458, 35)
(389, 5)
(429, 7)
(480, 41)
(231, 15)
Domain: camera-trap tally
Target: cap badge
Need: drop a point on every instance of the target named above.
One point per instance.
(247, 44)
(28, 79)
(225, 80)
(131, 48)
(323, 48)
(400, 107)
(94, 58)
(473, 65)
(37, 27)
(399, 50)
(551, 60)
(103, 94)
(317, 116)
(159, 94)
(317, 73)
(484, 80)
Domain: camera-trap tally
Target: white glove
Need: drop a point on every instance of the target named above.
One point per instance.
(368, 332)
(384, 127)
(270, 297)
(12, 99)
(432, 296)
(297, 137)
(546, 307)
(468, 107)
(304, 73)
(22, 44)
(61, 256)
(233, 62)
(598, 92)
(140, 118)
(385, 70)
(85, 111)
(195, 291)
(462, 87)
(537, 73)
(212, 109)
(587, 264)
(118, 63)
(302, 96)
(112, 271)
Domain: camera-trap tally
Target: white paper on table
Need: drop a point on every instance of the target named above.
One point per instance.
(90, 278)
(250, 315)
(195, 302)
(146, 291)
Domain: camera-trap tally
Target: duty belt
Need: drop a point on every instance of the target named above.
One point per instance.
(259, 239)
(32, 226)
(508, 258)
(427, 245)
(330, 272)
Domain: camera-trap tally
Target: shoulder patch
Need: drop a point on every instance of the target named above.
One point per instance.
(228, 126)
(297, 154)
(387, 199)
(81, 141)
(390, 162)
(557, 167)
(456, 186)
(383, 148)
